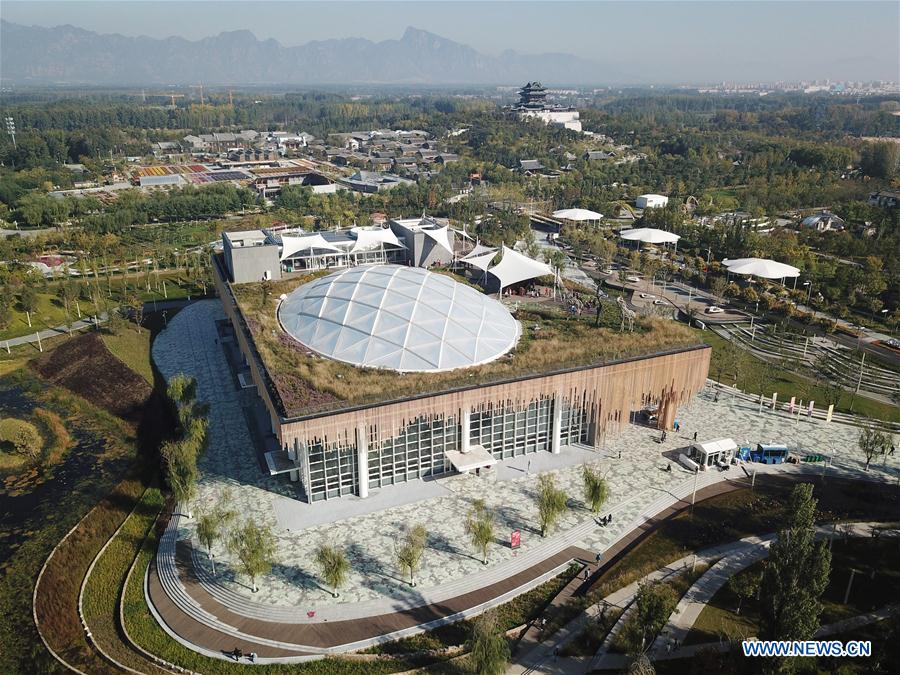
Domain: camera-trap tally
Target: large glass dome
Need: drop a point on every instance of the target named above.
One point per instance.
(402, 318)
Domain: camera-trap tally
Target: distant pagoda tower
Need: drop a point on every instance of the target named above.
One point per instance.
(532, 96)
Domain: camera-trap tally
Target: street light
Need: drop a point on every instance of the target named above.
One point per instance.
(11, 129)
(808, 284)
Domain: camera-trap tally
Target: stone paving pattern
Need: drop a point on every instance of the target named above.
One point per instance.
(231, 469)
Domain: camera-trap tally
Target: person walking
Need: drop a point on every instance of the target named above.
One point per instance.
(695, 437)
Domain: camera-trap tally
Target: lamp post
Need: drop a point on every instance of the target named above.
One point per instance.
(808, 285)
(11, 129)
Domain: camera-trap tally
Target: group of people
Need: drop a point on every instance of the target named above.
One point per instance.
(604, 521)
(237, 654)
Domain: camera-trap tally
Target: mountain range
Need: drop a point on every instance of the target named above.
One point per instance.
(71, 55)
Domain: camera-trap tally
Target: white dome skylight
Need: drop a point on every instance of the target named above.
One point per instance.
(401, 318)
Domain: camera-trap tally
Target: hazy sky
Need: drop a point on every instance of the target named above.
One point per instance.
(650, 41)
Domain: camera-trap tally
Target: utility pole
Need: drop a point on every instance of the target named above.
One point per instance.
(849, 584)
(694, 495)
(862, 363)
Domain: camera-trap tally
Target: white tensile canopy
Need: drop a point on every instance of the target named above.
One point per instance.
(368, 239)
(761, 267)
(650, 235)
(481, 261)
(463, 233)
(515, 267)
(478, 251)
(440, 237)
(577, 214)
(290, 246)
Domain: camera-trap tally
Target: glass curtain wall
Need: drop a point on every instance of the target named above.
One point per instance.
(332, 471)
(418, 451)
(508, 432)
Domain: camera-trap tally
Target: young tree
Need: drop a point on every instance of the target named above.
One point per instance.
(551, 502)
(797, 574)
(181, 472)
(181, 388)
(653, 605)
(136, 308)
(211, 524)
(717, 288)
(872, 442)
(595, 488)
(480, 528)
(744, 586)
(254, 547)
(488, 649)
(333, 566)
(28, 301)
(6, 315)
(412, 548)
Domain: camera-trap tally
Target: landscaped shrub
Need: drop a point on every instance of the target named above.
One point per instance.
(20, 437)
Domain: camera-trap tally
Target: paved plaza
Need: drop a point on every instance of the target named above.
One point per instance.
(634, 463)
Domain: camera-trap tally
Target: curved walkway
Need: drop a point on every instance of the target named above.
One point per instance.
(744, 554)
(728, 559)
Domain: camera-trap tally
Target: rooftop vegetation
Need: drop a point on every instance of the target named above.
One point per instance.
(551, 340)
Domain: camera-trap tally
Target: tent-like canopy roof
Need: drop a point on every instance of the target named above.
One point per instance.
(440, 237)
(760, 267)
(577, 214)
(515, 267)
(478, 251)
(649, 235)
(462, 233)
(397, 317)
(367, 239)
(292, 245)
(482, 261)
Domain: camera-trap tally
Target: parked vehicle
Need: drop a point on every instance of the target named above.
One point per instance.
(765, 454)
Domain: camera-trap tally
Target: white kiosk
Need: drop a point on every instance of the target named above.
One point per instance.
(710, 453)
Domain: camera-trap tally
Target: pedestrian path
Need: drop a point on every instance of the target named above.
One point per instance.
(726, 559)
(742, 555)
(49, 333)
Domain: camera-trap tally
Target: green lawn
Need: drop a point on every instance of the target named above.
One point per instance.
(132, 348)
(50, 312)
(788, 384)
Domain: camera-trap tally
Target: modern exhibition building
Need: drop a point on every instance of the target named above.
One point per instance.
(379, 374)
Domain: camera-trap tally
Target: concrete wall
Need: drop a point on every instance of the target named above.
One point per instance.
(250, 263)
(422, 250)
